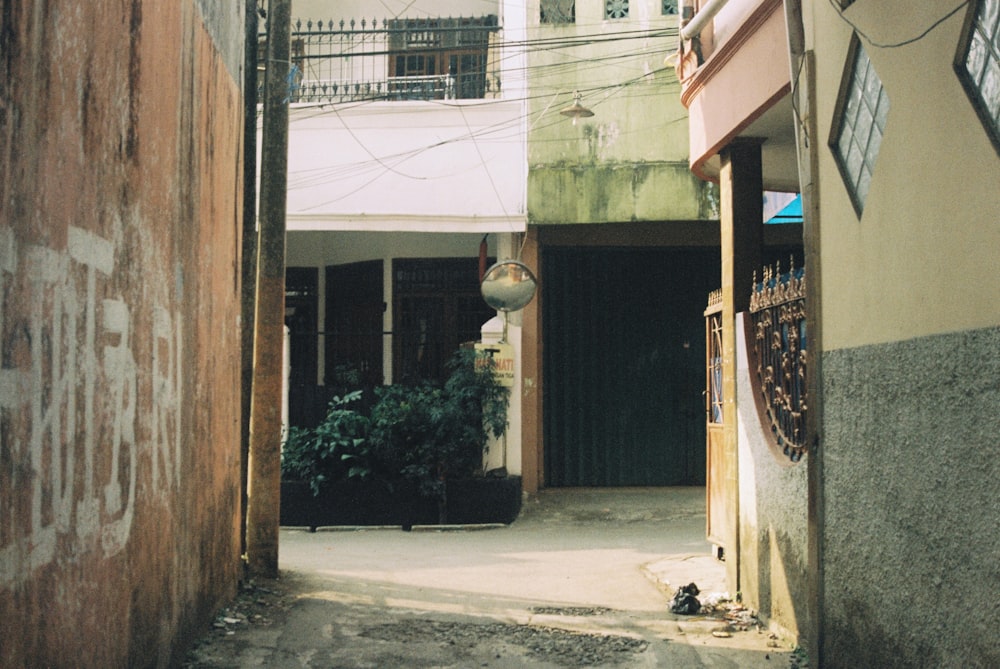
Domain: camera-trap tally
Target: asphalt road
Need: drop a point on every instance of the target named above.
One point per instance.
(582, 578)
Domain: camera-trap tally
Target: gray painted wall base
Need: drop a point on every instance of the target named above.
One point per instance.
(911, 488)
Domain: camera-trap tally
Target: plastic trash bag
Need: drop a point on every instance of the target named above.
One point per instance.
(685, 601)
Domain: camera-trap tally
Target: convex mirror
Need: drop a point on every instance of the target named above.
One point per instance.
(508, 286)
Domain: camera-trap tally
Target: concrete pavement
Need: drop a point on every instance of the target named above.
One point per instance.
(597, 562)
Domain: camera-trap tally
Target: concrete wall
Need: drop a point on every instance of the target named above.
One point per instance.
(911, 480)
(772, 520)
(407, 166)
(906, 477)
(120, 180)
(629, 161)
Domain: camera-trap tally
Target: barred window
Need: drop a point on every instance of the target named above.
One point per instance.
(558, 11)
(859, 123)
(978, 64)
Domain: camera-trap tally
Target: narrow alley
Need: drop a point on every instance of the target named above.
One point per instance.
(582, 578)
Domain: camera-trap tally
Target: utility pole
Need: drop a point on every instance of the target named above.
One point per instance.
(264, 489)
(248, 260)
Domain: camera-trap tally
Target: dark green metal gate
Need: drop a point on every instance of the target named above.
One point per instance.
(624, 365)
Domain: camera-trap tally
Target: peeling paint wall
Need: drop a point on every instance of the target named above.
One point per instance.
(120, 180)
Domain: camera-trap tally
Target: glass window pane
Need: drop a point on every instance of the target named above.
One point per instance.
(874, 144)
(882, 111)
(989, 16)
(991, 90)
(976, 58)
(872, 86)
(864, 183)
(863, 126)
(844, 144)
(860, 67)
(851, 108)
(854, 161)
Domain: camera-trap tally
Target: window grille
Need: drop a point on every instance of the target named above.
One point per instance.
(558, 11)
(859, 124)
(616, 9)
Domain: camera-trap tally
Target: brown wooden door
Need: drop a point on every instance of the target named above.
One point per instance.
(719, 508)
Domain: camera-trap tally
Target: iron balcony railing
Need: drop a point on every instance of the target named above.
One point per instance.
(393, 59)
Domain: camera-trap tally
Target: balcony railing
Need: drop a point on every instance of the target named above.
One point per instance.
(393, 59)
(778, 367)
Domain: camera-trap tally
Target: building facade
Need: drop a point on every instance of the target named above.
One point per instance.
(625, 240)
(893, 111)
(406, 164)
(453, 134)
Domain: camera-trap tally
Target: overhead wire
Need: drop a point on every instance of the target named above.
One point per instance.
(504, 131)
(337, 173)
(900, 43)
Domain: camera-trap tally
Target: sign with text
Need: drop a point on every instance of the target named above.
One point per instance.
(502, 356)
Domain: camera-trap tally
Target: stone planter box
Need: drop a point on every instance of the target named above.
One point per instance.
(367, 503)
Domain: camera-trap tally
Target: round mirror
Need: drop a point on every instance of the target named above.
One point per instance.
(508, 285)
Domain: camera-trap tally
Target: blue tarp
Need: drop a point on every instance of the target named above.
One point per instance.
(791, 213)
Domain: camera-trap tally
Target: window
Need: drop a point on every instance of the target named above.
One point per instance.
(558, 11)
(436, 307)
(669, 7)
(978, 64)
(859, 124)
(616, 9)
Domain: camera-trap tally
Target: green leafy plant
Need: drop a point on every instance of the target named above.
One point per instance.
(336, 449)
(430, 434)
(423, 432)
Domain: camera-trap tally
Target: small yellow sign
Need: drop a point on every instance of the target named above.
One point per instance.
(502, 356)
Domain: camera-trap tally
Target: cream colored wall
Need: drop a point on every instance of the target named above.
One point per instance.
(628, 162)
(921, 260)
(637, 112)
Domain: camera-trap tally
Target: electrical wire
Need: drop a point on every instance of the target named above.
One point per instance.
(894, 45)
(318, 177)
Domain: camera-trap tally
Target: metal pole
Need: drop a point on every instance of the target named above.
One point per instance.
(264, 488)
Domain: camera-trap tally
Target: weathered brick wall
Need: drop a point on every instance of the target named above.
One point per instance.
(120, 180)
